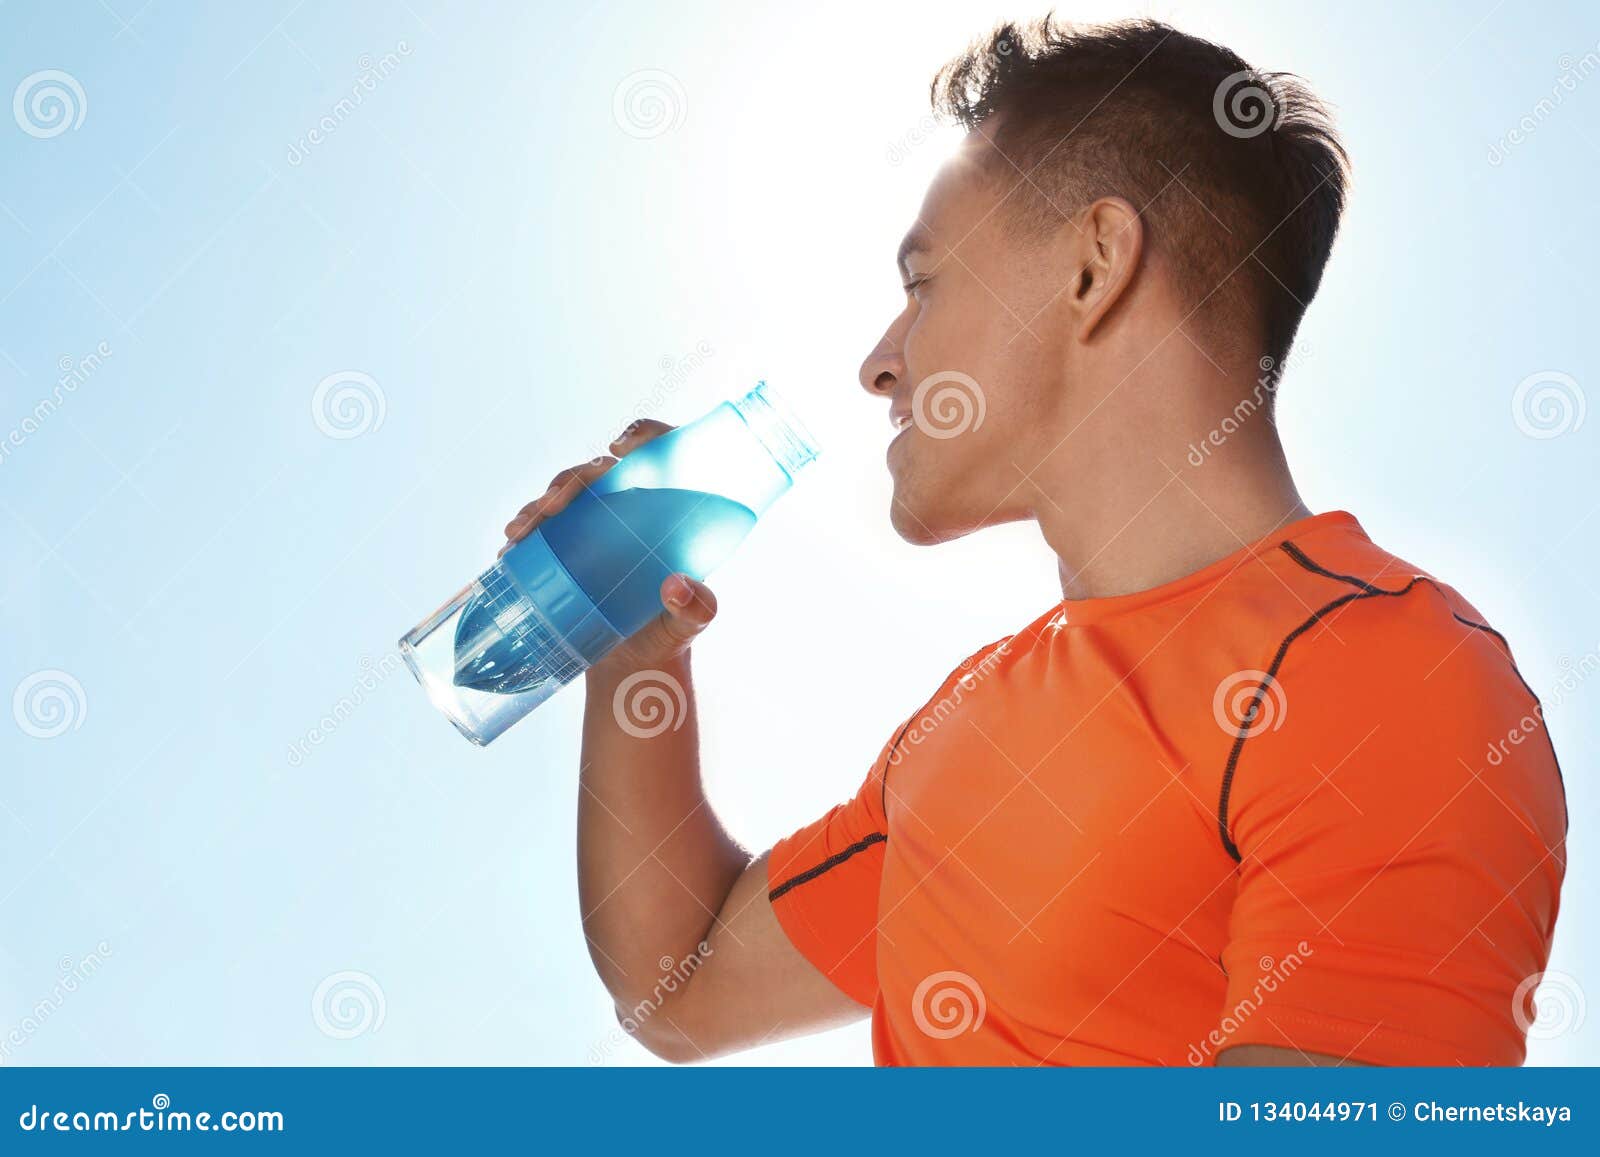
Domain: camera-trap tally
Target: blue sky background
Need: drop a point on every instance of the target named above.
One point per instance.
(517, 268)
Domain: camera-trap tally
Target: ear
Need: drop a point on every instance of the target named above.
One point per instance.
(1110, 242)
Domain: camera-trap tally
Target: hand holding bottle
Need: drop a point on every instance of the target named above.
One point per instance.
(603, 571)
(688, 605)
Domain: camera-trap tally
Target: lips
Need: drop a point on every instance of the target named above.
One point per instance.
(890, 451)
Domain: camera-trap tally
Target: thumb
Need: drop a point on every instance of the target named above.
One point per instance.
(688, 608)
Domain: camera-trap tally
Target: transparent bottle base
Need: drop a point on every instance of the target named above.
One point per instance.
(429, 649)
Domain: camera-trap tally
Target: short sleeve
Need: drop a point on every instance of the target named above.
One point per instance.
(1400, 823)
(823, 884)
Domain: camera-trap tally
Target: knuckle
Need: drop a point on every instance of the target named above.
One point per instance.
(675, 633)
(641, 430)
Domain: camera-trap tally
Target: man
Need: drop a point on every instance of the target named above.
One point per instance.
(1254, 791)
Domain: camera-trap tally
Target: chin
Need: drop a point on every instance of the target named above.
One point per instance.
(922, 523)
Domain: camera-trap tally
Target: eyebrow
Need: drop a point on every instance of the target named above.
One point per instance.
(916, 241)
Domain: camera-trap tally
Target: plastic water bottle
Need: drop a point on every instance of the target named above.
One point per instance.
(590, 576)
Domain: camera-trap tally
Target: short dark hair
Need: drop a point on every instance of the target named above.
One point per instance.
(1238, 175)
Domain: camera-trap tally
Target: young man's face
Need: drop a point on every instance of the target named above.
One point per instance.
(976, 365)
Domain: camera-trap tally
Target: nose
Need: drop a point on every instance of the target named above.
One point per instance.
(885, 366)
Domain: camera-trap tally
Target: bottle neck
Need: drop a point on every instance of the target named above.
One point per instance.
(777, 428)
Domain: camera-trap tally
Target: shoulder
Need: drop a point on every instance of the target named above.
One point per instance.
(1373, 620)
(1387, 683)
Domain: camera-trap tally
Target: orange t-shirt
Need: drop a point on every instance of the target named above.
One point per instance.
(1299, 798)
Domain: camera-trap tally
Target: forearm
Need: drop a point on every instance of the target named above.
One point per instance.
(654, 863)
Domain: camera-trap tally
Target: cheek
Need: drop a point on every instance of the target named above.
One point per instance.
(982, 386)
(950, 409)
(958, 326)
(1025, 386)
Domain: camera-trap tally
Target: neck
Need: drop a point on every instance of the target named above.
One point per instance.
(1138, 512)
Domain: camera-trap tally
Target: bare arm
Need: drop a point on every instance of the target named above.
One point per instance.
(674, 910)
(1268, 1055)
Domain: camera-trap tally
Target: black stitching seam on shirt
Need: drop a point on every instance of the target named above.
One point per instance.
(1261, 690)
(1364, 590)
(862, 845)
(1538, 708)
(831, 862)
(1304, 560)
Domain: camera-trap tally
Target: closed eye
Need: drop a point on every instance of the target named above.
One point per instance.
(916, 282)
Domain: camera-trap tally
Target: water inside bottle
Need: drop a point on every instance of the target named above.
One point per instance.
(619, 547)
(503, 645)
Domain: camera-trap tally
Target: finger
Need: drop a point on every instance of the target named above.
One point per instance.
(560, 492)
(565, 480)
(566, 485)
(528, 511)
(637, 434)
(689, 607)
